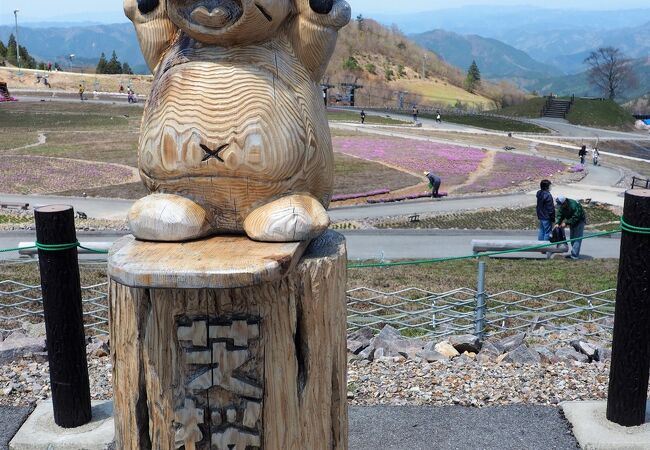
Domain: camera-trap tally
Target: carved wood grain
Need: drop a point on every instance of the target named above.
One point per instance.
(293, 329)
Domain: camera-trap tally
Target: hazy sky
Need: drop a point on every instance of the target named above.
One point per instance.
(96, 10)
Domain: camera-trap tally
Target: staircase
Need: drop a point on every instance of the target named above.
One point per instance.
(557, 108)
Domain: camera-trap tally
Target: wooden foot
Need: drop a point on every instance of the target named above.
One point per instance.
(168, 218)
(289, 219)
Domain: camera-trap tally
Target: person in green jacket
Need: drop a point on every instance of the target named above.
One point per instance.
(570, 213)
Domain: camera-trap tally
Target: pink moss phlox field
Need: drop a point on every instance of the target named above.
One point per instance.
(452, 163)
(342, 197)
(577, 168)
(29, 175)
(511, 169)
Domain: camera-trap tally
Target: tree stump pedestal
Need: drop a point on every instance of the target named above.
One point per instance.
(226, 343)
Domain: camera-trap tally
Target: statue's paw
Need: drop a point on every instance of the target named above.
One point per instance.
(168, 218)
(330, 13)
(288, 219)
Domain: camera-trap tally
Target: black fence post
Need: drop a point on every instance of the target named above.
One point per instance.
(628, 379)
(66, 344)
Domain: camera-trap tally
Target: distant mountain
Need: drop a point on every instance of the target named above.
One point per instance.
(86, 42)
(495, 59)
(578, 84)
(567, 49)
(500, 21)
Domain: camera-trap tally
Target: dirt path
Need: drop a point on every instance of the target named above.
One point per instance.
(42, 140)
(484, 168)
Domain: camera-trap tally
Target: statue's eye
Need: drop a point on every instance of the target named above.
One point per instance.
(321, 6)
(146, 6)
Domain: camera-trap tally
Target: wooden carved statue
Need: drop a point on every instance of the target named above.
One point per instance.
(235, 136)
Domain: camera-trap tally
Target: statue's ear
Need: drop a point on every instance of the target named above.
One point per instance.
(321, 6)
(146, 6)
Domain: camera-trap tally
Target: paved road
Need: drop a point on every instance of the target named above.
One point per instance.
(458, 428)
(564, 128)
(379, 244)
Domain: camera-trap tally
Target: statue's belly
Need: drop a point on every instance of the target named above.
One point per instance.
(212, 121)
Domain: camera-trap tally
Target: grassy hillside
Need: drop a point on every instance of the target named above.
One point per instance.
(586, 112)
(384, 61)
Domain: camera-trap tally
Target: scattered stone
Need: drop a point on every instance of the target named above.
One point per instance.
(510, 343)
(446, 349)
(431, 356)
(465, 343)
(362, 335)
(586, 349)
(546, 355)
(16, 347)
(570, 354)
(98, 348)
(490, 349)
(355, 347)
(34, 330)
(522, 355)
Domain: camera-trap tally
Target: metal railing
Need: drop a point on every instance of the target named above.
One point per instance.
(413, 311)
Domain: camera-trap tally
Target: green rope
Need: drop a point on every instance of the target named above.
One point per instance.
(632, 229)
(53, 248)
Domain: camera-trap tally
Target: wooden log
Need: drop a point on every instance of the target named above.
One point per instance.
(628, 378)
(66, 343)
(254, 358)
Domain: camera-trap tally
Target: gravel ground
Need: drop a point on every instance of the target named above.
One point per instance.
(452, 427)
(11, 420)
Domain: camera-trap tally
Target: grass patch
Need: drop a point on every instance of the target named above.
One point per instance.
(598, 217)
(529, 276)
(600, 113)
(491, 123)
(349, 116)
(352, 175)
(9, 218)
(531, 108)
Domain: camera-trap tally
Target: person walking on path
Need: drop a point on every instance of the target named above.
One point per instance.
(570, 213)
(415, 114)
(363, 117)
(582, 154)
(545, 211)
(438, 117)
(595, 155)
(434, 183)
(81, 92)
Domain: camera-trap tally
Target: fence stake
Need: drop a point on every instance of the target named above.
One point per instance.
(66, 344)
(480, 301)
(628, 379)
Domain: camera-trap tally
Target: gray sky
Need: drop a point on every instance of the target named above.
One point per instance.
(109, 10)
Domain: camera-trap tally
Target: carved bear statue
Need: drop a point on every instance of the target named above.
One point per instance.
(234, 135)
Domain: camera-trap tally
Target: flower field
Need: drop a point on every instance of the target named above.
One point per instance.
(41, 175)
(512, 169)
(452, 163)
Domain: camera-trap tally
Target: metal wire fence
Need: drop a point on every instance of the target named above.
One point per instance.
(413, 311)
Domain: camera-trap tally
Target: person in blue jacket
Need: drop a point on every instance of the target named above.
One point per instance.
(545, 211)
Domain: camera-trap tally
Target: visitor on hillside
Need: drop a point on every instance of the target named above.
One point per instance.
(131, 96)
(46, 82)
(434, 183)
(415, 114)
(570, 213)
(545, 211)
(363, 117)
(82, 89)
(438, 117)
(595, 155)
(49, 67)
(582, 154)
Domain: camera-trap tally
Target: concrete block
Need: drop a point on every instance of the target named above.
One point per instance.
(594, 432)
(39, 432)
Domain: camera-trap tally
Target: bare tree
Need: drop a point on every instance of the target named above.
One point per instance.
(610, 71)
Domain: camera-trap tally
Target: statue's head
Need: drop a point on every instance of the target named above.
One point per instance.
(229, 22)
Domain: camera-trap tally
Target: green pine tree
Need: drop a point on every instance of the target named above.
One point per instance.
(3, 50)
(473, 79)
(113, 66)
(101, 65)
(11, 50)
(126, 69)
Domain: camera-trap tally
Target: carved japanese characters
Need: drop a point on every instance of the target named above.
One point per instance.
(234, 136)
